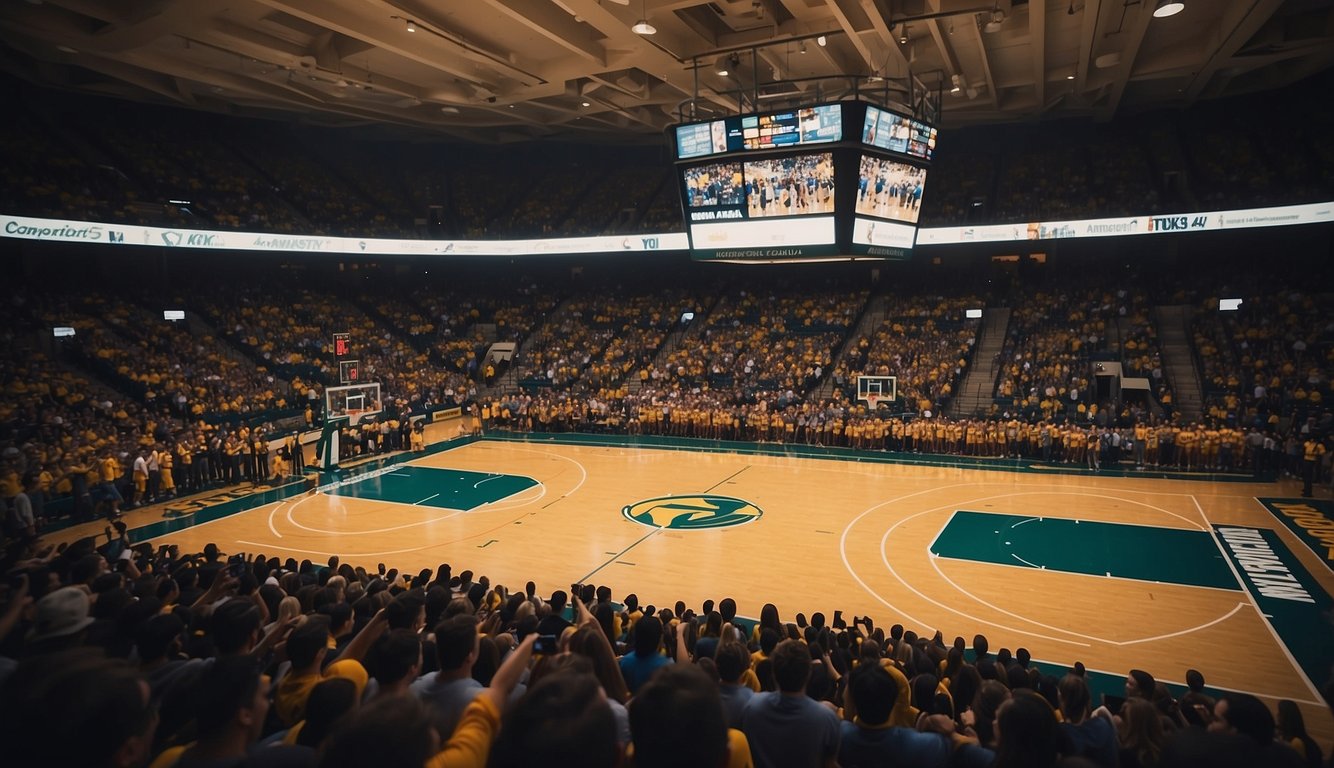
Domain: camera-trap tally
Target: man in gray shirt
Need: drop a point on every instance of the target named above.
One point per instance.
(450, 690)
(787, 729)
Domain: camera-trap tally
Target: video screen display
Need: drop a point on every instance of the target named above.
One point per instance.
(714, 185)
(790, 186)
(775, 130)
(766, 208)
(808, 125)
(889, 189)
(896, 133)
(701, 139)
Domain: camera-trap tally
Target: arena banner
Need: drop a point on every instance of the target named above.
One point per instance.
(71, 231)
(68, 231)
(1311, 520)
(446, 413)
(1206, 221)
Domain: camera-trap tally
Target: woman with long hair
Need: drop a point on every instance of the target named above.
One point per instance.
(768, 620)
(1026, 733)
(288, 608)
(986, 705)
(1141, 734)
(1292, 729)
(590, 642)
(964, 685)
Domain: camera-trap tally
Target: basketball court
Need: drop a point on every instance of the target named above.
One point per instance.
(1117, 572)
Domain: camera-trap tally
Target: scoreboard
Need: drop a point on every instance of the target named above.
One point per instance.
(808, 125)
(826, 181)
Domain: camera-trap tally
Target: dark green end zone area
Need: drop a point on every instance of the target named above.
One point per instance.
(441, 488)
(1141, 552)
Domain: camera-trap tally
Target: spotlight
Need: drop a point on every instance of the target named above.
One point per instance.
(955, 87)
(1168, 8)
(412, 25)
(821, 41)
(903, 35)
(803, 46)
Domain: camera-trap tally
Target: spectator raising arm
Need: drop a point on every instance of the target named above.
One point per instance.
(470, 744)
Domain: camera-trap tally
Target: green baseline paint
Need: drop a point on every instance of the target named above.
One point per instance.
(1298, 615)
(440, 488)
(1146, 553)
(1311, 520)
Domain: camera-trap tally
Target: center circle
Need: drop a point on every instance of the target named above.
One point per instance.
(692, 512)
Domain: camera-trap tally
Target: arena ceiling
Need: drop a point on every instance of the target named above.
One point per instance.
(514, 70)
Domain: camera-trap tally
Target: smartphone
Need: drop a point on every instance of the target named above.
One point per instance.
(235, 570)
(546, 645)
(1113, 703)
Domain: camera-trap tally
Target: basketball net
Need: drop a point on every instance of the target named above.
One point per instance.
(873, 400)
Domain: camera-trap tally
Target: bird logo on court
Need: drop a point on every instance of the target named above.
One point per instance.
(688, 513)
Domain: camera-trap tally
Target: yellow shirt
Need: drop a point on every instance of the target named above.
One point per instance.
(470, 744)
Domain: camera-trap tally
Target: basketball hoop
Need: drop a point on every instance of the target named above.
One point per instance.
(873, 400)
(354, 417)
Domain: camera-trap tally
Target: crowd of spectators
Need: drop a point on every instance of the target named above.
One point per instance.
(119, 653)
(292, 328)
(597, 339)
(165, 156)
(926, 342)
(1045, 359)
(40, 177)
(1266, 362)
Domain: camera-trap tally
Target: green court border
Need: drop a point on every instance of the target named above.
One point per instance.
(1319, 508)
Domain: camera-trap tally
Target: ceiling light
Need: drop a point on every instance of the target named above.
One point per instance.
(1168, 8)
(803, 46)
(412, 25)
(955, 87)
(448, 110)
(821, 41)
(1069, 77)
(586, 104)
(642, 27)
(997, 19)
(903, 35)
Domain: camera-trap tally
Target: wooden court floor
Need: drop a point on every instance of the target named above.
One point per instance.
(1140, 580)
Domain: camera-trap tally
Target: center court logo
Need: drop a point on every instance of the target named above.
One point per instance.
(688, 513)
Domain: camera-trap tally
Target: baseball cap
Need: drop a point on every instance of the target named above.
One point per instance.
(61, 613)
